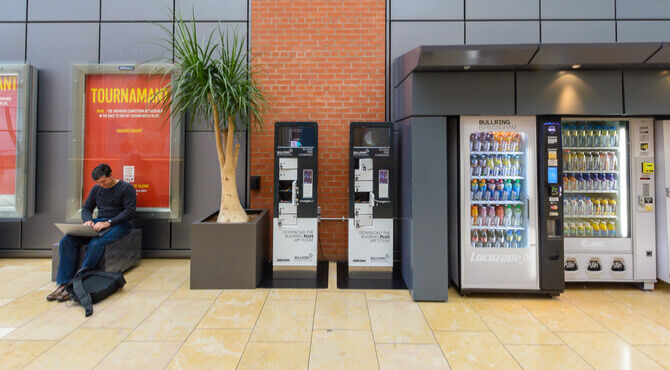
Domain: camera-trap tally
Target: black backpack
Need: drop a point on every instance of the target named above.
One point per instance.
(92, 286)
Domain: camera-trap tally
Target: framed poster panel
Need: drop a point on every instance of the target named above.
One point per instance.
(117, 119)
(18, 89)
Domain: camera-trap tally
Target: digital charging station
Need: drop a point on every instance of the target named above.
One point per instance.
(295, 224)
(371, 179)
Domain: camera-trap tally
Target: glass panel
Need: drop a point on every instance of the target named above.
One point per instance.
(296, 137)
(9, 140)
(595, 179)
(371, 137)
(498, 197)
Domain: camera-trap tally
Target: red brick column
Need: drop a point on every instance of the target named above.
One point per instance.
(324, 62)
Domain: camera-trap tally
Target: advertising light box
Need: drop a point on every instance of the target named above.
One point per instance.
(18, 84)
(118, 119)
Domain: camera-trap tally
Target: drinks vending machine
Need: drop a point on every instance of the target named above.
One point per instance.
(609, 205)
(295, 231)
(506, 243)
(370, 200)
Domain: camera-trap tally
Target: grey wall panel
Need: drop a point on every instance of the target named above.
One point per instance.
(53, 54)
(578, 31)
(10, 234)
(13, 10)
(50, 192)
(462, 93)
(405, 36)
(202, 183)
(63, 10)
(219, 10)
(13, 41)
(577, 9)
(126, 10)
(642, 9)
(646, 92)
(525, 32)
(643, 31)
(429, 205)
(502, 9)
(427, 9)
(561, 92)
(133, 42)
(155, 233)
(402, 99)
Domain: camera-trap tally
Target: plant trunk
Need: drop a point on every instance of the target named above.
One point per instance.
(230, 209)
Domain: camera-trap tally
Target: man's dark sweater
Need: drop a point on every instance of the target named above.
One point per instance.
(116, 203)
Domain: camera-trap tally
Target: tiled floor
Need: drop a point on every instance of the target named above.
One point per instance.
(157, 322)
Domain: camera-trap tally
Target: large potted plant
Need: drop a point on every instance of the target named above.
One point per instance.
(215, 83)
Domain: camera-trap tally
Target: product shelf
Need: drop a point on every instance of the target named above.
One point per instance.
(496, 202)
(591, 191)
(590, 171)
(591, 148)
(496, 153)
(591, 217)
(497, 227)
(497, 177)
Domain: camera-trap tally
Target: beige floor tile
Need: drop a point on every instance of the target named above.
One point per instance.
(128, 311)
(134, 277)
(172, 320)
(342, 349)
(341, 310)
(4, 301)
(275, 356)
(660, 354)
(512, 323)
(607, 351)
(648, 304)
(235, 309)
(160, 262)
(49, 287)
(165, 279)
(546, 357)
(17, 354)
(578, 294)
(410, 356)
(5, 331)
(11, 272)
(456, 314)
(562, 316)
(21, 310)
(284, 321)
(399, 322)
(629, 324)
(332, 275)
(82, 349)
(388, 295)
(211, 349)
(467, 350)
(292, 294)
(24, 261)
(140, 356)
(185, 292)
(53, 324)
(24, 284)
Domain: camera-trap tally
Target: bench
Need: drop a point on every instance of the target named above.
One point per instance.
(120, 255)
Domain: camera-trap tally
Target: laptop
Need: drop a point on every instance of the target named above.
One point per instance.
(78, 230)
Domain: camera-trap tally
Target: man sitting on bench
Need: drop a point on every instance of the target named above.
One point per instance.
(115, 200)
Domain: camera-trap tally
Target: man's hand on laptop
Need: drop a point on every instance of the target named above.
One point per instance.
(101, 225)
(89, 223)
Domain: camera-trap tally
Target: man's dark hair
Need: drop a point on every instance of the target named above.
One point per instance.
(101, 170)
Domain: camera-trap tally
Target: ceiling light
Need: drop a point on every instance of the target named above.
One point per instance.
(576, 66)
(467, 68)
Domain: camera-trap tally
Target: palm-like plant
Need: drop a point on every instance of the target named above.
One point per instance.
(215, 82)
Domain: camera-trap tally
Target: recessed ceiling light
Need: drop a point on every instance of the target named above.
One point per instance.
(467, 68)
(576, 66)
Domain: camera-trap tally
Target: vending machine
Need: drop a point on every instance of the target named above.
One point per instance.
(609, 202)
(295, 231)
(662, 155)
(508, 166)
(371, 193)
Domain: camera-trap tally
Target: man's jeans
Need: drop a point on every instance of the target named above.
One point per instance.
(69, 250)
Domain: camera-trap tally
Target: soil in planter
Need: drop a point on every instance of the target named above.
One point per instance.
(251, 216)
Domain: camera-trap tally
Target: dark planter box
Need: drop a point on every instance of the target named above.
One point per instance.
(229, 256)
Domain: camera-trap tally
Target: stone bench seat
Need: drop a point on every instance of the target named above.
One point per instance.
(120, 255)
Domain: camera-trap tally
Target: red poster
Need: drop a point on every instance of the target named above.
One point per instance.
(127, 129)
(8, 112)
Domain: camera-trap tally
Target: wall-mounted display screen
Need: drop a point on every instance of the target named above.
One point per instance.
(9, 97)
(296, 137)
(126, 127)
(371, 137)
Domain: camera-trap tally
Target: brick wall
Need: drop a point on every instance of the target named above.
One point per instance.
(325, 62)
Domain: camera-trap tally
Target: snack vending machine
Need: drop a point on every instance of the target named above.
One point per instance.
(609, 203)
(295, 230)
(506, 243)
(371, 191)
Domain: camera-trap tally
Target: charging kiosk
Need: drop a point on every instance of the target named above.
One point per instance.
(370, 200)
(295, 224)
